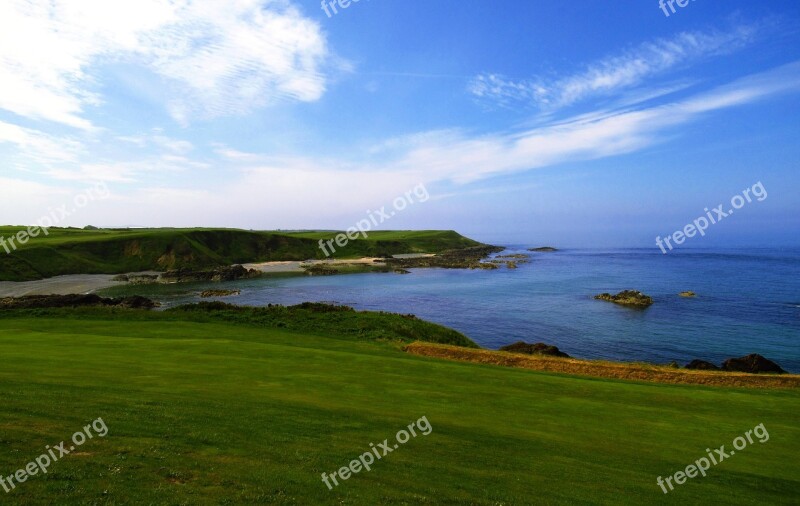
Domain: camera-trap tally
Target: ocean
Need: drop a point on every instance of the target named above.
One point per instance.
(748, 301)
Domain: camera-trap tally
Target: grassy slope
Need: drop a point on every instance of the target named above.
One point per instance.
(72, 251)
(206, 413)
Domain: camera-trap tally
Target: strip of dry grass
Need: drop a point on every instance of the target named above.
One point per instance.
(603, 369)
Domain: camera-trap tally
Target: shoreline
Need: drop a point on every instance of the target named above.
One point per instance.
(614, 369)
(284, 266)
(68, 284)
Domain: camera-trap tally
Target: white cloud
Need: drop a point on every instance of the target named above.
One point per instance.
(461, 157)
(233, 56)
(611, 74)
(219, 57)
(39, 147)
(157, 139)
(266, 192)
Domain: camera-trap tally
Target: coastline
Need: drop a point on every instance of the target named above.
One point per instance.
(297, 266)
(89, 283)
(287, 285)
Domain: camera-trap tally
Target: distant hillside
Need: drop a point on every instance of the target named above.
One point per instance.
(115, 251)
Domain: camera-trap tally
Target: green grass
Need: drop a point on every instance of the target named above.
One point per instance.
(107, 251)
(227, 409)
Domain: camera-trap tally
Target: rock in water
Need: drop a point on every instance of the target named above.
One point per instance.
(534, 349)
(218, 293)
(627, 298)
(753, 363)
(688, 294)
(701, 365)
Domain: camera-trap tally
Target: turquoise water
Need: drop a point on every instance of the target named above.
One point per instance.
(748, 302)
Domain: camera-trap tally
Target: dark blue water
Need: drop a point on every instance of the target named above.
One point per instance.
(748, 302)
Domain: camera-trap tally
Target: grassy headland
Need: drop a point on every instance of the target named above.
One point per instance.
(116, 251)
(218, 405)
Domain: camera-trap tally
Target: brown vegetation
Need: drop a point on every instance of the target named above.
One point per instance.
(603, 369)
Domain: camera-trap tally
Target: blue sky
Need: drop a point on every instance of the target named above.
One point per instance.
(581, 123)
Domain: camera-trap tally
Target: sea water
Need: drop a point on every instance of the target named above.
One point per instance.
(748, 301)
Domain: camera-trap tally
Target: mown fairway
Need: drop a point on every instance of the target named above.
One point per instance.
(213, 413)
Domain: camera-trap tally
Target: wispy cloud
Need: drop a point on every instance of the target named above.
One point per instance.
(611, 74)
(38, 147)
(285, 192)
(157, 139)
(292, 192)
(217, 57)
(589, 136)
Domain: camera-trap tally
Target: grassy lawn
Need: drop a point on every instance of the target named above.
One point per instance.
(215, 412)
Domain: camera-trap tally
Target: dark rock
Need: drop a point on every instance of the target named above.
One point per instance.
(534, 349)
(142, 279)
(401, 271)
(753, 363)
(218, 293)
(627, 298)
(226, 273)
(320, 270)
(545, 249)
(701, 365)
(134, 302)
(466, 258)
(483, 265)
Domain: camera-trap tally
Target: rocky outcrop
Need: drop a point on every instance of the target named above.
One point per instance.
(75, 300)
(630, 298)
(688, 294)
(319, 270)
(753, 363)
(534, 349)
(137, 279)
(133, 302)
(466, 258)
(219, 293)
(701, 365)
(545, 249)
(231, 273)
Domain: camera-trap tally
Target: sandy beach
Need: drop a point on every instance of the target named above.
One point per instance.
(295, 266)
(59, 285)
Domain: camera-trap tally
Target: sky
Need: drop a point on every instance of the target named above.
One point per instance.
(576, 124)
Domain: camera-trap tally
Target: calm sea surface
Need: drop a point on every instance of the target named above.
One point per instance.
(748, 302)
